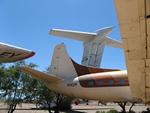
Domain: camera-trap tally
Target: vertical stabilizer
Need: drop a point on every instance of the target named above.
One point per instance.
(62, 65)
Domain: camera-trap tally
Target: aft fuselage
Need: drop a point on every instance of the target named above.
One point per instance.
(106, 86)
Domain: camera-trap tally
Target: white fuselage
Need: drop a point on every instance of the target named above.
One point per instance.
(111, 94)
(107, 94)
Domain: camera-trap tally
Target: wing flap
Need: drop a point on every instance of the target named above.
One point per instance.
(40, 75)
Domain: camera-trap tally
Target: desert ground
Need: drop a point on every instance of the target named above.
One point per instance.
(81, 108)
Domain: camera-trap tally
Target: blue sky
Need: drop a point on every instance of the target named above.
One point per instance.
(26, 23)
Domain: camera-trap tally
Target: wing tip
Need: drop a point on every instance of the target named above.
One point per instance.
(51, 31)
(30, 54)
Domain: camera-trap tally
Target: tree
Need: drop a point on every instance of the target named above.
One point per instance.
(62, 102)
(44, 96)
(2, 79)
(15, 85)
(18, 87)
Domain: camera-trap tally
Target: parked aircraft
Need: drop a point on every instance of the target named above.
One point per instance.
(72, 79)
(93, 43)
(10, 53)
(68, 77)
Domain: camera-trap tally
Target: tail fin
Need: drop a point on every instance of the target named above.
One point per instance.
(93, 43)
(62, 65)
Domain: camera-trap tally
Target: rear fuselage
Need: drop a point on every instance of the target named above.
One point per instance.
(106, 86)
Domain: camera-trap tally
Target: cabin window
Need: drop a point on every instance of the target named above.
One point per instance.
(91, 83)
(122, 82)
(101, 82)
(111, 82)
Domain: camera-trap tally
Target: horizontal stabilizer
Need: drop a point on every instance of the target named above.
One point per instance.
(77, 35)
(104, 31)
(10, 53)
(40, 75)
(112, 42)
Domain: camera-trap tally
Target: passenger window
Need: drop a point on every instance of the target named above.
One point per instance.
(101, 82)
(91, 83)
(111, 82)
(122, 82)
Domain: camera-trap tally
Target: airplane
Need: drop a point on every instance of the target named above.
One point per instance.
(10, 53)
(70, 78)
(93, 43)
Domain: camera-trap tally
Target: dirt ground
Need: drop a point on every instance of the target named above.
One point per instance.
(81, 108)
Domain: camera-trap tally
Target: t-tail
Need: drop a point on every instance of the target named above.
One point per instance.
(93, 43)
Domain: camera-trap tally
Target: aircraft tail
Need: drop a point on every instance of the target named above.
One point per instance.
(93, 43)
(103, 35)
(62, 65)
(87, 37)
(62, 68)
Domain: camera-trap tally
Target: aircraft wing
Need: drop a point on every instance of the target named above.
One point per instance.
(77, 35)
(134, 21)
(9, 53)
(45, 77)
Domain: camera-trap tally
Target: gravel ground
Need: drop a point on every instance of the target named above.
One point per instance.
(81, 108)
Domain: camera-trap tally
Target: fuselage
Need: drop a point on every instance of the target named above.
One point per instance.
(106, 86)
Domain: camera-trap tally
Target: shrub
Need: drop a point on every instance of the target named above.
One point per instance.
(110, 111)
(100, 112)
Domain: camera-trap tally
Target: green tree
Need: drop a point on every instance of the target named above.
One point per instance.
(2, 79)
(15, 85)
(18, 87)
(62, 102)
(44, 96)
